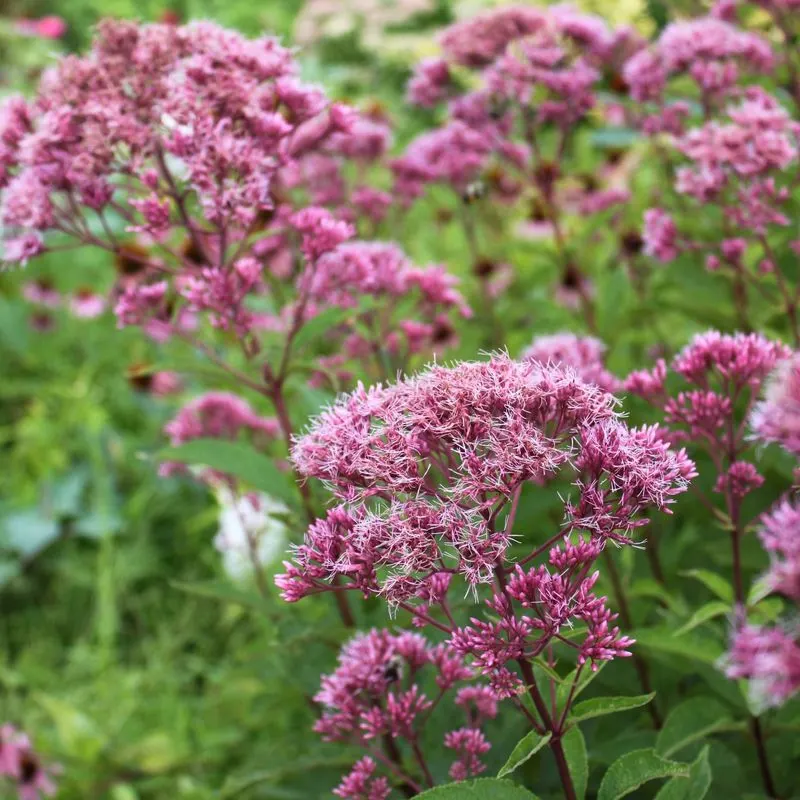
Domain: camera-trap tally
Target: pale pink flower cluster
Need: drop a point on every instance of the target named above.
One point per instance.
(776, 418)
(217, 415)
(660, 235)
(745, 157)
(377, 693)
(22, 767)
(83, 303)
(584, 354)
(148, 98)
(769, 657)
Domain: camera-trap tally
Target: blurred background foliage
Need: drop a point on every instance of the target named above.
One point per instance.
(124, 651)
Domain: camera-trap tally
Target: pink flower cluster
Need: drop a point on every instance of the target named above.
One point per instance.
(744, 157)
(709, 50)
(83, 304)
(722, 371)
(536, 67)
(584, 354)
(769, 657)
(426, 470)
(776, 418)
(375, 699)
(20, 765)
(150, 102)
(216, 415)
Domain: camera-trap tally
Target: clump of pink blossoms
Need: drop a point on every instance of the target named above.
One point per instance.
(584, 354)
(376, 699)
(769, 656)
(217, 415)
(211, 149)
(711, 51)
(535, 75)
(740, 167)
(429, 472)
(723, 375)
(22, 768)
(776, 417)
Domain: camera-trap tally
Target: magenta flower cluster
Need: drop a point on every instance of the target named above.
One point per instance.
(769, 656)
(428, 472)
(376, 699)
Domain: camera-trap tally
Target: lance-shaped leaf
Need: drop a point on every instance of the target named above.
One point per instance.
(692, 720)
(694, 786)
(480, 789)
(526, 747)
(632, 770)
(600, 706)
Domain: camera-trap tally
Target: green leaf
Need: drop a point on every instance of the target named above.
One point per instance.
(632, 770)
(8, 570)
(587, 676)
(96, 525)
(760, 589)
(480, 789)
(615, 138)
(79, 736)
(663, 640)
(156, 753)
(692, 720)
(226, 593)
(527, 746)
(319, 326)
(713, 582)
(234, 458)
(709, 611)
(694, 786)
(577, 760)
(600, 706)
(647, 587)
(29, 532)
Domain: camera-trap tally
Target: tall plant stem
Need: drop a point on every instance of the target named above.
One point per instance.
(639, 663)
(393, 754)
(555, 745)
(738, 589)
(763, 760)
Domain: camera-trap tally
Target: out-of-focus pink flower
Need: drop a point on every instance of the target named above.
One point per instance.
(780, 535)
(41, 292)
(86, 304)
(660, 235)
(430, 83)
(50, 27)
(217, 415)
(770, 659)
(362, 784)
(165, 383)
(583, 353)
(23, 767)
(709, 50)
(776, 418)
